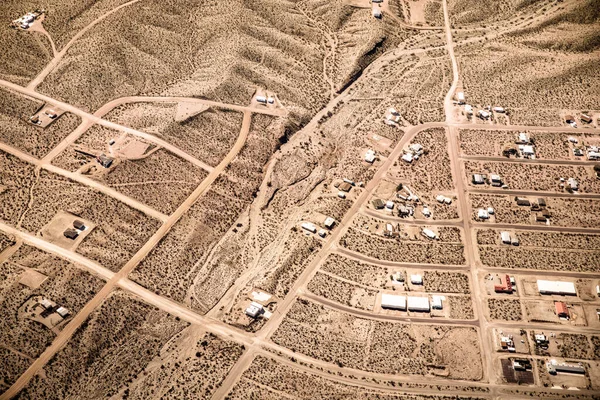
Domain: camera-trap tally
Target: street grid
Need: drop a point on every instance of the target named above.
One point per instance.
(259, 343)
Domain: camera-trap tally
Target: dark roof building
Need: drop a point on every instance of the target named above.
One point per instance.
(71, 234)
(378, 204)
(77, 224)
(105, 161)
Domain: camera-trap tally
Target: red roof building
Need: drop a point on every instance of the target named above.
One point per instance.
(561, 309)
(506, 287)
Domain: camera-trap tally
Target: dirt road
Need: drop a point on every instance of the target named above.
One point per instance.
(58, 56)
(537, 161)
(65, 335)
(535, 193)
(87, 182)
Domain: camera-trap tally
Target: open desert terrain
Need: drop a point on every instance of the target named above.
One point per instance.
(354, 199)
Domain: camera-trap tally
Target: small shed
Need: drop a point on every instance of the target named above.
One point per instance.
(569, 118)
(522, 201)
(254, 310)
(105, 161)
(586, 118)
(71, 234)
(378, 204)
(77, 224)
(329, 222)
(407, 158)
(541, 202)
(483, 214)
(437, 302)
(63, 312)
(478, 179)
(505, 236)
(416, 279)
(345, 187)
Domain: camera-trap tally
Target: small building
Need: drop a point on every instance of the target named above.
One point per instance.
(389, 229)
(71, 234)
(261, 99)
(539, 217)
(378, 204)
(329, 222)
(541, 202)
(426, 213)
(408, 157)
(345, 187)
(569, 118)
(561, 309)
(403, 211)
(460, 96)
(341, 195)
(63, 312)
(322, 233)
(478, 179)
(528, 150)
(389, 205)
(416, 148)
(428, 233)
(104, 160)
(586, 118)
(416, 279)
(468, 109)
(35, 120)
(541, 339)
(592, 155)
(419, 304)
(572, 184)
(483, 214)
(490, 210)
(437, 302)
(254, 310)
(523, 138)
(309, 227)
(370, 156)
(51, 114)
(393, 302)
(498, 110)
(522, 201)
(496, 179)
(270, 100)
(483, 114)
(47, 304)
(377, 12)
(505, 237)
(556, 287)
(77, 224)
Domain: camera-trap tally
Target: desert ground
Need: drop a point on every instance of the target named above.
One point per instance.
(298, 200)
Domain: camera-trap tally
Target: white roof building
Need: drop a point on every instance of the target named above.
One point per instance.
(416, 279)
(440, 198)
(329, 222)
(426, 212)
(416, 147)
(63, 312)
(407, 157)
(482, 214)
(460, 96)
(393, 301)
(418, 304)
(528, 150)
(523, 138)
(46, 303)
(483, 114)
(505, 236)
(309, 227)
(254, 310)
(370, 156)
(261, 99)
(429, 234)
(389, 205)
(556, 287)
(469, 109)
(437, 302)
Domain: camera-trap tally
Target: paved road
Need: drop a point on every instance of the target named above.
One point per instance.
(87, 182)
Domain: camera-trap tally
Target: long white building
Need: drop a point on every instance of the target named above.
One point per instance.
(556, 287)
